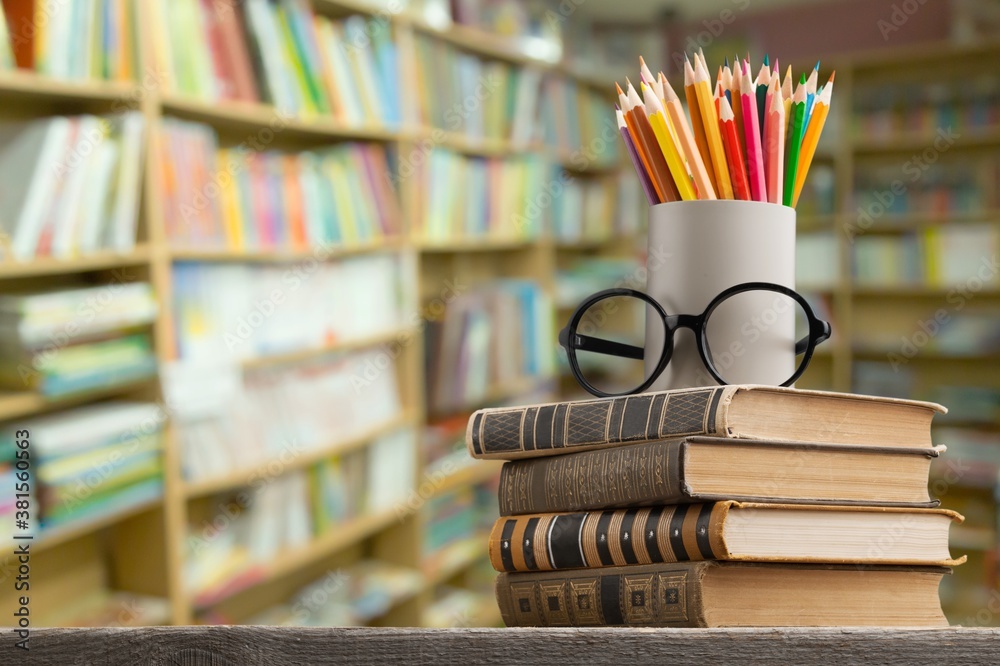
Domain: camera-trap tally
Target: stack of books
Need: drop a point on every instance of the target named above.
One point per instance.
(62, 342)
(723, 506)
(91, 462)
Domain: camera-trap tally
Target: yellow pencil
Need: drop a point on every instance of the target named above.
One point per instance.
(811, 139)
(710, 120)
(658, 119)
(686, 140)
(697, 126)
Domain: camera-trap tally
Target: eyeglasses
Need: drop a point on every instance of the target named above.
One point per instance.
(611, 334)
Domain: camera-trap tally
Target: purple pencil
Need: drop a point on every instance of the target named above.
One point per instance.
(647, 184)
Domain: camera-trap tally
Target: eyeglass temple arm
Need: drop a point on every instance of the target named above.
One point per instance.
(599, 346)
(803, 344)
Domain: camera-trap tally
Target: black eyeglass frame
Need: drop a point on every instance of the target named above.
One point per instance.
(819, 330)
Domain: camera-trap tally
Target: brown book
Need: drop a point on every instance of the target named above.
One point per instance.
(706, 469)
(734, 531)
(723, 594)
(230, 48)
(740, 412)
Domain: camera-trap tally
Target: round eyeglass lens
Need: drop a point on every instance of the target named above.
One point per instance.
(751, 337)
(612, 340)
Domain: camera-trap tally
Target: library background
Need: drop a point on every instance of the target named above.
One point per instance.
(261, 259)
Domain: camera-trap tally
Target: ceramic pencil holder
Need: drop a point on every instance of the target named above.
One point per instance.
(698, 249)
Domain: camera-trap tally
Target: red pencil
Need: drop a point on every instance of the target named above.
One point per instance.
(734, 156)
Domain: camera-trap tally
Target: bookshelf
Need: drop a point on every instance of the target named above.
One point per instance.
(890, 107)
(142, 550)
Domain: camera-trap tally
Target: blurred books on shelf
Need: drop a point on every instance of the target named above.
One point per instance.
(578, 122)
(455, 523)
(248, 200)
(251, 311)
(228, 424)
(531, 26)
(111, 608)
(70, 184)
(351, 596)
(586, 276)
(79, 39)
(57, 343)
(276, 515)
(817, 197)
(922, 107)
(458, 607)
(584, 211)
(976, 405)
(488, 339)
(93, 461)
(817, 260)
(884, 191)
(474, 197)
(947, 256)
(477, 98)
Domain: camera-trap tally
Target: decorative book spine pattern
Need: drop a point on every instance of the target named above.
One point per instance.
(653, 535)
(640, 475)
(542, 429)
(656, 595)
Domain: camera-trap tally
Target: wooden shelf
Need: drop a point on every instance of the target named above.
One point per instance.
(51, 538)
(284, 256)
(474, 244)
(471, 549)
(479, 42)
(906, 143)
(469, 145)
(919, 291)
(21, 404)
(242, 117)
(102, 260)
(472, 474)
(240, 478)
(288, 561)
(342, 346)
(30, 86)
(496, 394)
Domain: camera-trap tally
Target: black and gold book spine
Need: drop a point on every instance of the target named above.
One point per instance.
(566, 427)
(652, 535)
(657, 595)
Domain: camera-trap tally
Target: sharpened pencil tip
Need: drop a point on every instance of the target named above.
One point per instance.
(817, 66)
(832, 74)
(803, 79)
(727, 61)
(767, 62)
(619, 89)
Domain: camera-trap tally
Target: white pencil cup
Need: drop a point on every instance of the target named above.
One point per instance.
(698, 249)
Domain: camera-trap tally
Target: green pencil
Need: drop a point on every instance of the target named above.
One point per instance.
(795, 130)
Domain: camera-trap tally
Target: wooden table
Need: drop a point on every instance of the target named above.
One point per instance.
(277, 646)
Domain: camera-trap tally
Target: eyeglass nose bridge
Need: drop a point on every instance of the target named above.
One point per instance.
(691, 322)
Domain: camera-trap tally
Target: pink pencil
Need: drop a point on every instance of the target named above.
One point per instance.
(751, 128)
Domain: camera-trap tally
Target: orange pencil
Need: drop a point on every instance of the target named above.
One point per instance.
(686, 140)
(660, 172)
(696, 122)
(634, 133)
(710, 119)
(738, 174)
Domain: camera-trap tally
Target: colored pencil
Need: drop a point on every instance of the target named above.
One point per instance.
(727, 128)
(811, 91)
(811, 138)
(762, 84)
(697, 125)
(685, 137)
(734, 101)
(647, 77)
(710, 120)
(775, 145)
(668, 144)
(659, 170)
(634, 133)
(786, 95)
(794, 142)
(633, 154)
(755, 161)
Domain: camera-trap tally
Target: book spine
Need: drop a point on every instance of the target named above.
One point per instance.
(644, 596)
(653, 535)
(540, 430)
(628, 476)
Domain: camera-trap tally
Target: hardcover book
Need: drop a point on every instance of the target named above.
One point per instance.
(738, 412)
(735, 531)
(723, 594)
(700, 469)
